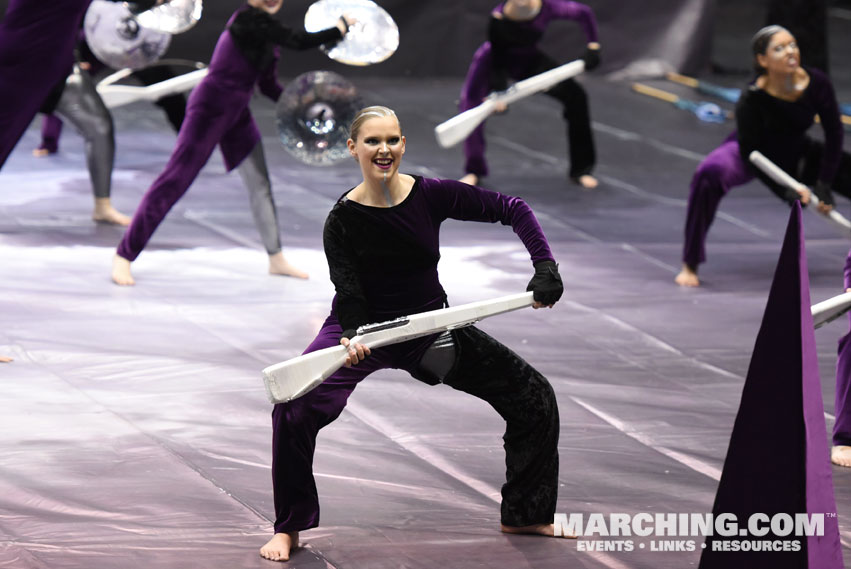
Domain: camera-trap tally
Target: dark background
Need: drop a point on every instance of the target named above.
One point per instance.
(438, 37)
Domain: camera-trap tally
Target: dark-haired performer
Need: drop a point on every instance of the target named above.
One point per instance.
(514, 30)
(217, 114)
(772, 116)
(381, 241)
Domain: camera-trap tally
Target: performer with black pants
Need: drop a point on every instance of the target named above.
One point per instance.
(514, 30)
(381, 241)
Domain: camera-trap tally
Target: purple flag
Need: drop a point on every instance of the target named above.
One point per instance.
(778, 460)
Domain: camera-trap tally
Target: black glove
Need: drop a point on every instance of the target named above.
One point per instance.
(591, 58)
(822, 192)
(546, 285)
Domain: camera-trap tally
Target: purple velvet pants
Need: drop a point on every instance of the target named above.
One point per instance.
(51, 129)
(483, 368)
(722, 170)
(204, 128)
(842, 405)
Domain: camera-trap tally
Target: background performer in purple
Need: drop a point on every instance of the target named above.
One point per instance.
(217, 114)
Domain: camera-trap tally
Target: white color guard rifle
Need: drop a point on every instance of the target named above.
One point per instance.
(119, 95)
(780, 176)
(293, 378)
(459, 127)
(830, 309)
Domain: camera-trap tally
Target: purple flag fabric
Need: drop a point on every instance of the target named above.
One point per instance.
(778, 460)
(36, 51)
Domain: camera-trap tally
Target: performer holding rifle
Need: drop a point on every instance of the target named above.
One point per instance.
(514, 30)
(381, 241)
(246, 56)
(772, 116)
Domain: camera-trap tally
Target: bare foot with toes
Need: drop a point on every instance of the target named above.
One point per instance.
(279, 547)
(278, 265)
(121, 271)
(841, 455)
(687, 277)
(105, 213)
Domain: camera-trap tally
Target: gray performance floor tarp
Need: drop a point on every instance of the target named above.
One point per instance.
(134, 428)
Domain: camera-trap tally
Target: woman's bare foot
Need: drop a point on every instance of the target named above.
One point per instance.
(587, 181)
(105, 213)
(278, 265)
(471, 179)
(5, 359)
(278, 548)
(121, 271)
(841, 455)
(41, 152)
(547, 530)
(687, 277)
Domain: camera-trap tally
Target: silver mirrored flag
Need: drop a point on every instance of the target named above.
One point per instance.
(172, 17)
(372, 39)
(313, 117)
(116, 38)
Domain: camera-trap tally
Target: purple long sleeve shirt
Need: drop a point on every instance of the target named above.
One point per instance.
(383, 261)
(226, 91)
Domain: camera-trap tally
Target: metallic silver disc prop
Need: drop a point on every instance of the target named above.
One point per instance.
(116, 38)
(372, 39)
(173, 17)
(313, 116)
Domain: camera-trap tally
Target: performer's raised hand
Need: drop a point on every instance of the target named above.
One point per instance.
(804, 193)
(345, 23)
(356, 353)
(546, 285)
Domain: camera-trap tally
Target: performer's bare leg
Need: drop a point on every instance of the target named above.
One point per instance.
(278, 265)
(278, 548)
(587, 181)
(841, 455)
(471, 179)
(687, 277)
(105, 213)
(547, 530)
(121, 271)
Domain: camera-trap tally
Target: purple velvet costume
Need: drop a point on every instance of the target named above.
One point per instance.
(365, 247)
(33, 35)
(842, 403)
(512, 49)
(777, 129)
(217, 113)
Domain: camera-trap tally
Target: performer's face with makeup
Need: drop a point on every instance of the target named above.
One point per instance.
(379, 147)
(271, 6)
(782, 54)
